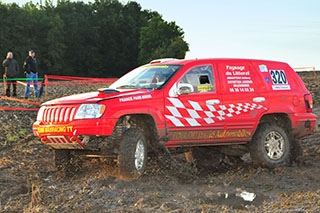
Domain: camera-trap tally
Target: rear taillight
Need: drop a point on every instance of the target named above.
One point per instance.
(308, 101)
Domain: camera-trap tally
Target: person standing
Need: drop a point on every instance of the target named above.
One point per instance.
(11, 69)
(30, 66)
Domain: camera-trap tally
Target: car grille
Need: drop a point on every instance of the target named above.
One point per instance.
(58, 115)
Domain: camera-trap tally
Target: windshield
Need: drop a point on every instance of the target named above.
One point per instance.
(146, 77)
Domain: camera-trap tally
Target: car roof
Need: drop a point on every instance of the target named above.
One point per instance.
(217, 60)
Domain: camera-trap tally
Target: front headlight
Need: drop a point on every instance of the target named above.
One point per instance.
(87, 111)
(40, 114)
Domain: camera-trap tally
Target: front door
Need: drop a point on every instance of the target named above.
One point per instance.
(192, 108)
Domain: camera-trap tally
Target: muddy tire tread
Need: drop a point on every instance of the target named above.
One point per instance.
(256, 147)
(127, 151)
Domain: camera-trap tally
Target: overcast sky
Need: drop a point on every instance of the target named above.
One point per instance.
(283, 30)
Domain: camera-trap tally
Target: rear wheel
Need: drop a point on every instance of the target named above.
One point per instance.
(270, 146)
(133, 154)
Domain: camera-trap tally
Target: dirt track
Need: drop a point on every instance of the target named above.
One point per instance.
(28, 181)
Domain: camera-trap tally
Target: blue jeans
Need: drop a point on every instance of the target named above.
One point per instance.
(34, 77)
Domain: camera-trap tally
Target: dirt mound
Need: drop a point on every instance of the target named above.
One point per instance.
(30, 183)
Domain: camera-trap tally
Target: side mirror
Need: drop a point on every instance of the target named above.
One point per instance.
(185, 89)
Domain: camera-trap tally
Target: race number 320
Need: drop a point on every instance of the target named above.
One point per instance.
(278, 77)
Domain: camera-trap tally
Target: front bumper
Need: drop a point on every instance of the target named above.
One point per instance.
(70, 135)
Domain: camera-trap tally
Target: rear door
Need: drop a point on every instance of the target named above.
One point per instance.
(190, 110)
(244, 99)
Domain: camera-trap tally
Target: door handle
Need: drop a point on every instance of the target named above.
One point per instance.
(212, 102)
(259, 99)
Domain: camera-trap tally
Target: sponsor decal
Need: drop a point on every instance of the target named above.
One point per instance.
(210, 134)
(233, 68)
(279, 80)
(267, 79)
(281, 87)
(238, 79)
(135, 98)
(55, 129)
(263, 68)
(163, 66)
(205, 88)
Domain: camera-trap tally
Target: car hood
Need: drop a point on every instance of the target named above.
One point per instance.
(94, 97)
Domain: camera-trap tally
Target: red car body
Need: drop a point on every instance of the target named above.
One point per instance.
(244, 91)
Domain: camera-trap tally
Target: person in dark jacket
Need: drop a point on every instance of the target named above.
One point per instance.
(11, 70)
(30, 66)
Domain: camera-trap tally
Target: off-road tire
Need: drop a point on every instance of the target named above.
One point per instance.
(128, 148)
(61, 159)
(258, 149)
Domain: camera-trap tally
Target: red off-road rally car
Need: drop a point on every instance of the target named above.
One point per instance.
(201, 107)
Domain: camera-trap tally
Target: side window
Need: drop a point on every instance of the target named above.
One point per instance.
(201, 78)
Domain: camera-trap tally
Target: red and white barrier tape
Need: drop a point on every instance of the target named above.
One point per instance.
(18, 109)
(97, 83)
(56, 77)
(71, 78)
(56, 83)
(20, 100)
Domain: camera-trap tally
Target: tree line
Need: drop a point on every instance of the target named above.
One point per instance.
(105, 38)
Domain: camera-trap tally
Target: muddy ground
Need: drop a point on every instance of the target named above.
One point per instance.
(29, 182)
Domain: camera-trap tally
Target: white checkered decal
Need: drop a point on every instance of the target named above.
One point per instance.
(192, 114)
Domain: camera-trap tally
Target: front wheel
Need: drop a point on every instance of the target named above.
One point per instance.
(133, 154)
(270, 146)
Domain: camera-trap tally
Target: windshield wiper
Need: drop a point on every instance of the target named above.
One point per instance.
(149, 87)
(128, 87)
